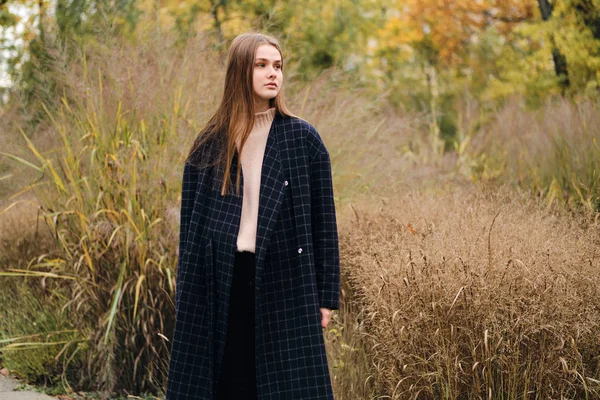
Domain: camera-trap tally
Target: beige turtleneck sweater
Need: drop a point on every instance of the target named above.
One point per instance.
(252, 159)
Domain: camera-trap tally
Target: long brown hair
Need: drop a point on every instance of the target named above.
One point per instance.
(235, 117)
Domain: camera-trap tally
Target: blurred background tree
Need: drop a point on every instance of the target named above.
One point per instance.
(425, 52)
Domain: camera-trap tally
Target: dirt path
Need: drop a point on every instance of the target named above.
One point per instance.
(7, 391)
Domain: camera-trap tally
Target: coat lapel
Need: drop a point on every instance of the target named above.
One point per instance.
(272, 187)
(271, 194)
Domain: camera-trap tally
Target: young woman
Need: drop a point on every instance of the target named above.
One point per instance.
(258, 272)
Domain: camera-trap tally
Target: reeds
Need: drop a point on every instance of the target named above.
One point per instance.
(108, 193)
(553, 152)
(471, 295)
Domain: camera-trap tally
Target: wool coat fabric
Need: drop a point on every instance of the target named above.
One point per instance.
(297, 271)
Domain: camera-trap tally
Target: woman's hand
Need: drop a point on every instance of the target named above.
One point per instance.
(325, 316)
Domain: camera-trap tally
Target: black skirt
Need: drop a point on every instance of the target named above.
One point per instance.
(237, 379)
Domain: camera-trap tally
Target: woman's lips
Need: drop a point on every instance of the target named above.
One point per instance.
(271, 85)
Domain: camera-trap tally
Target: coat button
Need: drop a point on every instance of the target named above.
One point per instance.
(285, 183)
(300, 250)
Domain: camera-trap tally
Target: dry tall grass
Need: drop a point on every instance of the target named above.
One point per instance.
(470, 294)
(108, 193)
(554, 150)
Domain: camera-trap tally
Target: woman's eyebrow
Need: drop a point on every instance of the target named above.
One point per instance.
(266, 59)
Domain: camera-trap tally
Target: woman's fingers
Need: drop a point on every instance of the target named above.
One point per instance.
(325, 316)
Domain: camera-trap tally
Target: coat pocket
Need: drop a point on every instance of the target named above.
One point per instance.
(194, 274)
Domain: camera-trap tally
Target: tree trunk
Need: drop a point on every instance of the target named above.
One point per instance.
(215, 12)
(560, 61)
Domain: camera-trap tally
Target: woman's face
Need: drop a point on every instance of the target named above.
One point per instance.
(267, 77)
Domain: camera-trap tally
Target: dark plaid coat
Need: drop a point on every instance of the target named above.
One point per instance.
(297, 271)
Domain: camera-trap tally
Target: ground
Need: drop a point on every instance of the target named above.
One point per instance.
(10, 389)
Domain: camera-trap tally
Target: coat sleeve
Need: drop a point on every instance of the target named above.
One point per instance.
(188, 193)
(324, 228)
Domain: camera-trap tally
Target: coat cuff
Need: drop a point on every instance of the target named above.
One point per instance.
(329, 297)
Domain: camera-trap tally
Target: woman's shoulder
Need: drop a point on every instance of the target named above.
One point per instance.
(205, 151)
(311, 137)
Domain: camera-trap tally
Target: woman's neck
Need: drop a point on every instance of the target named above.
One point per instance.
(262, 106)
